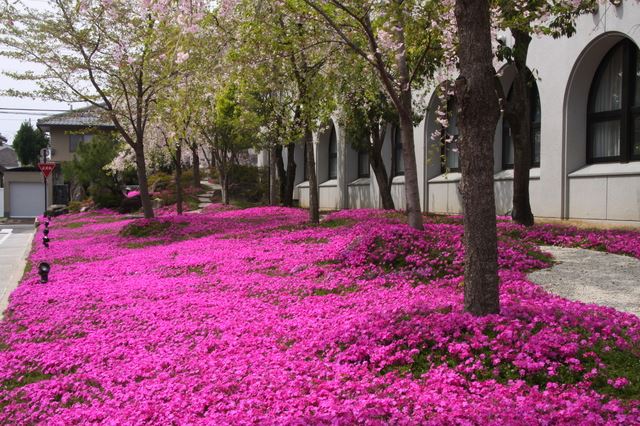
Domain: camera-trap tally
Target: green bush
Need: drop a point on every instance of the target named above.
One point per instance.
(75, 206)
(130, 205)
(159, 181)
(249, 183)
(87, 169)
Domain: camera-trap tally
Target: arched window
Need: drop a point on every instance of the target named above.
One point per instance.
(333, 154)
(398, 161)
(450, 136)
(613, 132)
(536, 115)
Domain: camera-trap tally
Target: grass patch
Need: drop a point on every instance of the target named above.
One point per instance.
(26, 379)
(340, 291)
(142, 244)
(74, 225)
(146, 228)
(336, 223)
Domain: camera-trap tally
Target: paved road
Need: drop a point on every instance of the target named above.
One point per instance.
(15, 243)
(593, 277)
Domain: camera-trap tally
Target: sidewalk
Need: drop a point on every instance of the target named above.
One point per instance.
(15, 244)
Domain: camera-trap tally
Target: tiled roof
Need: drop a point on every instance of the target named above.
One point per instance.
(84, 117)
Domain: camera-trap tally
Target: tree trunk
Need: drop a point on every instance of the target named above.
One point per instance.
(379, 169)
(273, 180)
(520, 121)
(478, 116)
(405, 113)
(282, 173)
(314, 202)
(178, 164)
(288, 175)
(196, 166)
(224, 184)
(411, 189)
(142, 179)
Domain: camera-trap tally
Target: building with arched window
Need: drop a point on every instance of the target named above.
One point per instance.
(585, 131)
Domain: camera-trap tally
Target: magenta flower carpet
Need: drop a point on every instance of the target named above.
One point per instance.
(255, 317)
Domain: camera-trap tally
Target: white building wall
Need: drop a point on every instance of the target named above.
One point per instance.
(564, 186)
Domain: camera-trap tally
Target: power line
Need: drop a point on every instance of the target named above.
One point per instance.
(44, 114)
(34, 109)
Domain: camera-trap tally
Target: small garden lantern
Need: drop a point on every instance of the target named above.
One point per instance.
(43, 271)
(45, 241)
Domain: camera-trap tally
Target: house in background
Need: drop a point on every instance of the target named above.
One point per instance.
(23, 192)
(67, 131)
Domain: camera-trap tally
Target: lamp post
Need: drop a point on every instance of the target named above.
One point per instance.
(43, 271)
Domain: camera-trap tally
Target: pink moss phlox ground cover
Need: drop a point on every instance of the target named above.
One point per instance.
(254, 317)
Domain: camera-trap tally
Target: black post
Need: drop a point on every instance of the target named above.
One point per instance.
(45, 197)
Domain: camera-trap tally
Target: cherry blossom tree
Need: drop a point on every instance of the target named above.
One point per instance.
(114, 54)
(400, 40)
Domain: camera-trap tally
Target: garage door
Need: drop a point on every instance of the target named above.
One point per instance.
(26, 199)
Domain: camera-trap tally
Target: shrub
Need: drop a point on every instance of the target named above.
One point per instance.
(75, 206)
(130, 205)
(159, 181)
(249, 183)
(145, 228)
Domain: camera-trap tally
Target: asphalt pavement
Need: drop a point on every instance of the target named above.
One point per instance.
(15, 244)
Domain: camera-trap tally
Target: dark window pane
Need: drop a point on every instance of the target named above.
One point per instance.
(605, 138)
(507, 145)
(399, 160)
(74, 142)
(636, 140)
(608, 95)
(333, 168)
(452, 156)
(536, 145)
(363, 164)
(333, 154)
(637, 100)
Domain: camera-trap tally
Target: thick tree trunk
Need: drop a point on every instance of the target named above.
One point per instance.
(314, 201)
(411, 189)
(142, 179)
(520, 120)
(273, 180)
(196, 166)
(478, 116)
(379, 169)
(178, 164)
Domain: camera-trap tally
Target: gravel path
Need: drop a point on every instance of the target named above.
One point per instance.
(593, 277)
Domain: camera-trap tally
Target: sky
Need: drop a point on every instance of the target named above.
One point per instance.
(9, 123)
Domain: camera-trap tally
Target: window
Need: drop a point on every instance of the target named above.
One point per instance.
(450, 137)
(305, 171)
(75, 139)
(613, 132)
(396, 155)
(536, 115)
(333, 154)
(363, 163)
